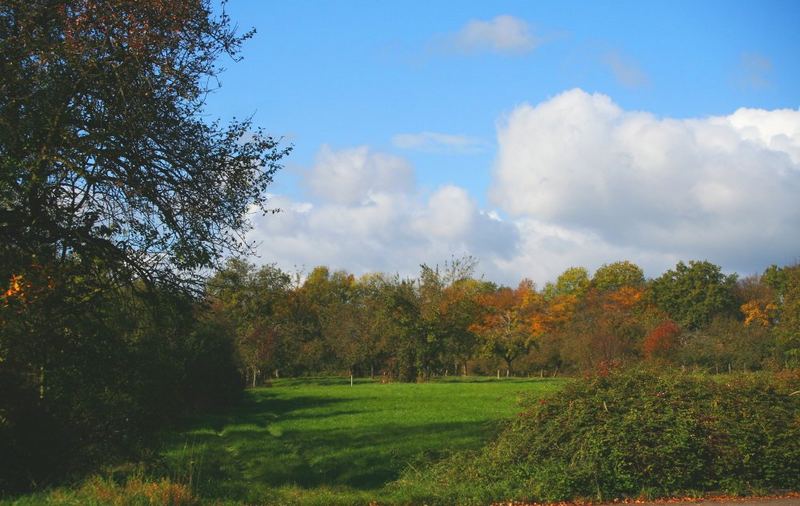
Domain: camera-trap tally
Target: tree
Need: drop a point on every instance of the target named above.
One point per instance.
(693, 294)
(661, 341)
(250, 301)
(116, 196)
(605, 327)
(618, 274)
(573, 281)
(104, 154)
(506, 326)
(787, 330)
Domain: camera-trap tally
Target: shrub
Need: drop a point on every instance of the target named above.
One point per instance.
(635, 433)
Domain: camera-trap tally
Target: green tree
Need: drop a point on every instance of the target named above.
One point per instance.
(695, 293)
(116, 196)
(573, 281)
(104, 153)
(787, 329)
(618, 274)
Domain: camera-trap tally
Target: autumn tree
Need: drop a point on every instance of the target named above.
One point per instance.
(661, 341)
(506, 326)
(606, 327)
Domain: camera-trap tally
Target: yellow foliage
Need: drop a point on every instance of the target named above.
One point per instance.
(758, 313)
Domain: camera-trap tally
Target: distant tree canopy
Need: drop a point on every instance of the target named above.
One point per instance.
(693, 294)
(104, 155)
(444, 321)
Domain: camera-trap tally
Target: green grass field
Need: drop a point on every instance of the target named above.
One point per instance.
(322, 441)
(315, 441)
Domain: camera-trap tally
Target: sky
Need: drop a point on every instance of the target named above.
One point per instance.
(534, 136)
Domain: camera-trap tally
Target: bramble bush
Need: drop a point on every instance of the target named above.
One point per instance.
(633, 433)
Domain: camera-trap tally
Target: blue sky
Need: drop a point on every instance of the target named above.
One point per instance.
(376, 96)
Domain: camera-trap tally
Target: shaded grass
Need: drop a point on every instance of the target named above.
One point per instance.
(313, 441)
(322, 438)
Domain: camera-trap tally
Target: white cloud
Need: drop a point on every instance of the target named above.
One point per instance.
(371, 226)
(577, 181)
(351, 175)
(721, 188)
(435, 142)
(502, 34)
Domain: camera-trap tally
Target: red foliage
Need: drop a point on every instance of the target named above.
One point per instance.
(661, 340)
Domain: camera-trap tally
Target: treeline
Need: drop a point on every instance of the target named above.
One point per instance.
(447, 322)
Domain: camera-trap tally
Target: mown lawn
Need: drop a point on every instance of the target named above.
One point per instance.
(322, 441)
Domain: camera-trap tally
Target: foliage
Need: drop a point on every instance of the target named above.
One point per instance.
(506, 326)
(446, 322)
(693, 294)
(111, 372)
(788, 315)
(606, 328)
(633, 433)
(115, 194)
(104, 154)
(573, 281)
(617, 275)
(661, 341)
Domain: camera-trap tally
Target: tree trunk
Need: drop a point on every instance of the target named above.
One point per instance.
(41, 382)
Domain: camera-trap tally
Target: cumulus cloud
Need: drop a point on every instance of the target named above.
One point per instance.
(435, 142)
(367, 225)
(577, 180)
(722, 188)
(502, 34)
(351, 175)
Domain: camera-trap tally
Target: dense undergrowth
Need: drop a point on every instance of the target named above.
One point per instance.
(633, 434)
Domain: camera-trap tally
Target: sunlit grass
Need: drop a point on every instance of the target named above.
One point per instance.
(312, 442)
(324, 441)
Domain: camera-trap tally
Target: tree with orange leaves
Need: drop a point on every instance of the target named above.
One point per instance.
(507, 328)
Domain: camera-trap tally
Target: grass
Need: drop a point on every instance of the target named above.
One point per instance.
(313, 441)
(323, 441)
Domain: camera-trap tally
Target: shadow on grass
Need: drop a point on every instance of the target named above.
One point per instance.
(270, 441)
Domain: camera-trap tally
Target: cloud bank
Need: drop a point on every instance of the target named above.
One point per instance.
(723, 188)
(577, 181)
(369, 216)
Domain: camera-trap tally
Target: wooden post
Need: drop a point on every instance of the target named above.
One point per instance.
(498, 374)
(351, 379)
